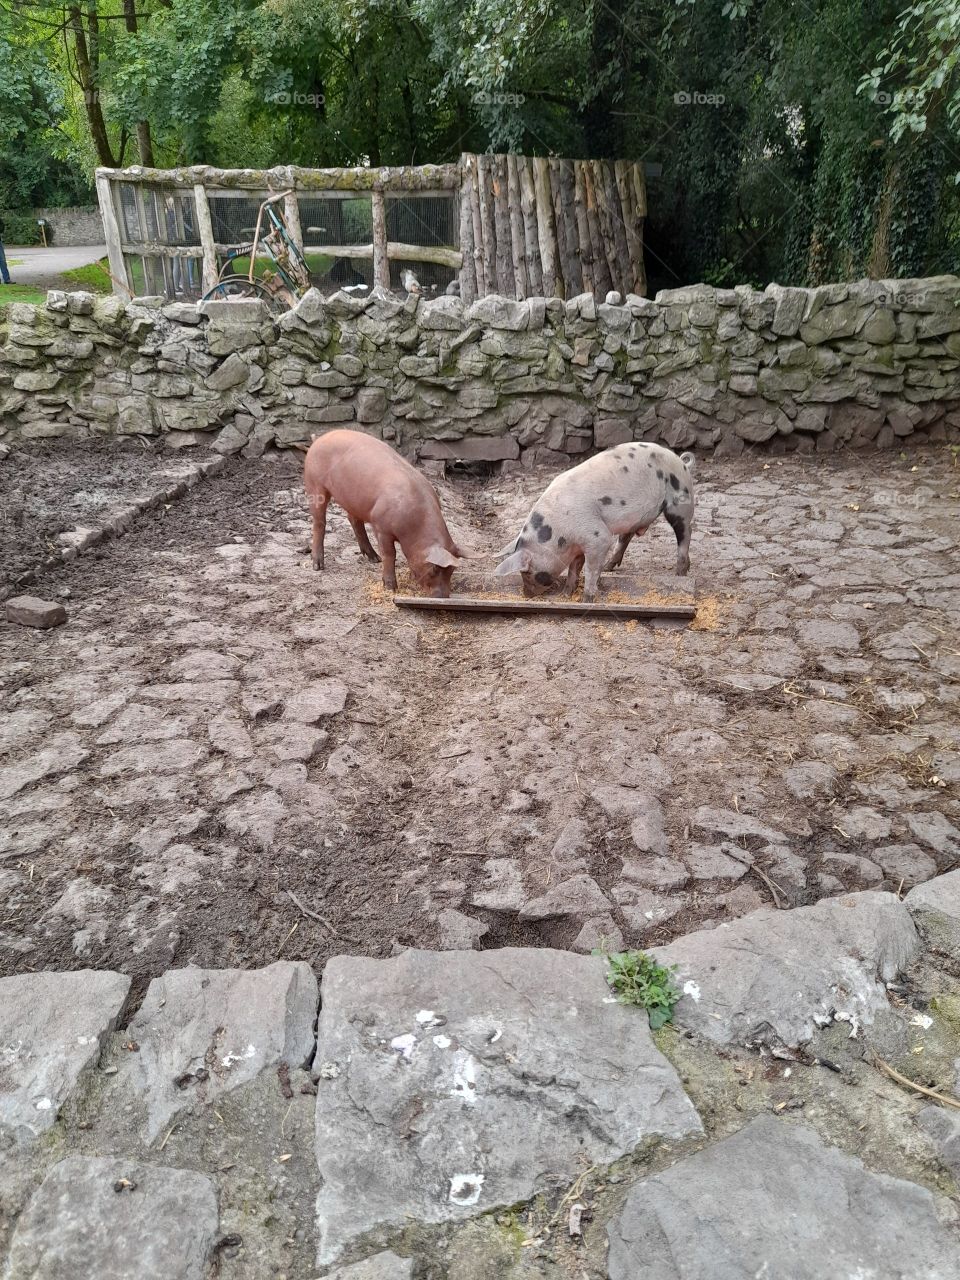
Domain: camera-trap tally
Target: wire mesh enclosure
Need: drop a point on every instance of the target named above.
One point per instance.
(515, 225)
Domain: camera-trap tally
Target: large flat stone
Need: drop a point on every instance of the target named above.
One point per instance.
(455, 1082)
(382, 1266)
(775, 976)
(61, 753)
(51, 1028)
(115, 1219)
(316, 701)
(935, 906)
(774, 1201)
(216, 1029)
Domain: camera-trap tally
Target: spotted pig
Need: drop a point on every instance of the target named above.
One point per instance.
(587, 516)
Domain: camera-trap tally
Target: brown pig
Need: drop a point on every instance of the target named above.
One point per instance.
(375, 486)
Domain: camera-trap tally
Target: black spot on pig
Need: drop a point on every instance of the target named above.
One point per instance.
(686, 492)
(660, 475)
(605, 501)
(674, 482)
(542, 578)
(561, 542)
(544, 533)
(624, 468)
(623, 502)
(536, 519)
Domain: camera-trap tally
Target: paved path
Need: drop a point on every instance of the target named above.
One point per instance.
(43, 267)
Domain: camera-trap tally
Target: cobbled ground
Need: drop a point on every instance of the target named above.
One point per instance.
(225, 758)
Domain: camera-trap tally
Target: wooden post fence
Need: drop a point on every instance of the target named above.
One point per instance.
(523, 226)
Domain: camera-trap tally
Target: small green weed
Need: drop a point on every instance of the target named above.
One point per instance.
(638, 979)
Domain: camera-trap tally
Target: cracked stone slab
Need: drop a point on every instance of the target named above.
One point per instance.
(776, 976)
(382, 1266)
(316, 701)
(578, 896)
(216, 1029)
(452, 1083)
(935, 906)
(113, 1219)
(62, 753)
(51, 1029)
(775, 1201)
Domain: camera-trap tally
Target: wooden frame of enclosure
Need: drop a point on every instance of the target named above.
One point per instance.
(528, 226)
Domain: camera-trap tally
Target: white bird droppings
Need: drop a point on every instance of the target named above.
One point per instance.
(442, 1042)
(231, 1058)
(465, 1081)
(691, 989)
(465, 1188)
(404, 1045)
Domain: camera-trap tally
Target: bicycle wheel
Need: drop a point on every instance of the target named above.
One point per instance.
(235, 288)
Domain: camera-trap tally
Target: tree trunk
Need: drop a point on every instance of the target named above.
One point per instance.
(144, 141)
(90, 88)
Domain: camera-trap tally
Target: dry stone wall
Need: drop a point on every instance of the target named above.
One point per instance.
(859, 365)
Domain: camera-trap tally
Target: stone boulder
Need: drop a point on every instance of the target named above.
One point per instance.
(52, 1026)
(774, 977)
(115, 1219)
(775, 1201)
(935, 907)
(453, 1083)
(204, 1032)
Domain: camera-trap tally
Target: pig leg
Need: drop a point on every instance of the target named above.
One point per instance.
(388, 554)
(319, 505)
(680, 521)
(597, 555)
(573, 574)
(616, 560)
(359, 529)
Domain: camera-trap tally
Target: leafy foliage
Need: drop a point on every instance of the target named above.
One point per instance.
(800, 143)
(638, 979)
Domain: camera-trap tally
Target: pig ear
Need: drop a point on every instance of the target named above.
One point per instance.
(467, 553)
(441, 557)
(519, 562)
(508, 549)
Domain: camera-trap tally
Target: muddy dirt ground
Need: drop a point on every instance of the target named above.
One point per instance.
(48, 487)
(225, 758)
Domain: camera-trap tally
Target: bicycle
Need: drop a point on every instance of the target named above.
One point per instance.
(280, 289)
